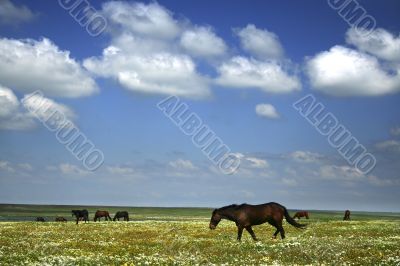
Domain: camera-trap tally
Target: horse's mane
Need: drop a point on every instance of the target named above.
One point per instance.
(232, 206)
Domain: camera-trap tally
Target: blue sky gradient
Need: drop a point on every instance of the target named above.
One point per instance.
(150, 162)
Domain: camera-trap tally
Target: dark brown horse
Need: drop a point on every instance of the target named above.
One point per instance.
(80, 215)
(99, 214)
(301, 214)
(246, 215)
(60, 219)
(346, 215)
(121, 214)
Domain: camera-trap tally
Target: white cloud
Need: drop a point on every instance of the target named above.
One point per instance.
(341, 173)
(202, 42)
(256, 162)
(182, 164)
(145, 57)
(6, 166)
(29, 65)
(11, 14)
(15, 116)
(379, 42)
(266, 110)
(70, 169)
(389, 145)
(261, 43)
(305, 156)
(150, 20)
(374, 180)
(12, 116)
(346, 72)
(120, 170)
(44, 108)
(241, 72)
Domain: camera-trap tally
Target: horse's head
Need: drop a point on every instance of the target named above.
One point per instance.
(73, 213)
(215, 219)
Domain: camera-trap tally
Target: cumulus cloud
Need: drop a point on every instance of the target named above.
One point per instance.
(346, 72)
(182, 164)
(71, 169)
(43, 108)
(341, 173)
(379, 42)
(12, 116)
(256, 162)
(150, 20)
(15, 114)
(242, 72)
(144, 56)
(260, 43)
(6, 166)
(203, 42)
(305, 156)
(29, 65)
(388, 145)
(266, 110)
(120, 170)
(11, 14)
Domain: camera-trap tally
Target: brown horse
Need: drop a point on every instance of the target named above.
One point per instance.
(246, 215)
(301, 214)
(346, 215)
(100, 214)
(60, 219)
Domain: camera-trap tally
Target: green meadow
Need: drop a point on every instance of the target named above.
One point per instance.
(180, 236)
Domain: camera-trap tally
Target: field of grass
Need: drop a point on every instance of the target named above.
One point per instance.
(180, 236)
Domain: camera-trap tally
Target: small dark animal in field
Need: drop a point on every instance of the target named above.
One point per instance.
(346, 215)
(121, 214)
(60, 219)
(40, 219)
(81, 215)
(301, 214)
(99, 214)
(246, 215)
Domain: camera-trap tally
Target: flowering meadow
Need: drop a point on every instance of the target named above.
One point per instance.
(189, 241)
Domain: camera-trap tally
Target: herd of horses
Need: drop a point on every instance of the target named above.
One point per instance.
(244, 216)
(83, 215)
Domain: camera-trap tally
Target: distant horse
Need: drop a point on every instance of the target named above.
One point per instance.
(81, 215)
(246, 215)
(346, 215)
(40, 219)
(301, 214)
(60, 219)
(100, 214)
(122, 214)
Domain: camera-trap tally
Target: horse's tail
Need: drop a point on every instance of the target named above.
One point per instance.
(291, 220)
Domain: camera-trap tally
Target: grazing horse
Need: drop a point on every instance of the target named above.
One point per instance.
(301, 214)
(346, 215)
(246, 215)
(60, 219)
(100, 214)
(84, 214)
(40, 219)
(122, 214)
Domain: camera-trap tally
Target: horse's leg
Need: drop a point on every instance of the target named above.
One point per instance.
(77, 219)
(276, 233)
(280, 228)
(240, 231)
(251, 232)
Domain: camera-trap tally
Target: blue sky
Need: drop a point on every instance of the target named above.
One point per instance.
(238, 65)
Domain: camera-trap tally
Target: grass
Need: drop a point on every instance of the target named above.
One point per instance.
(180, 236)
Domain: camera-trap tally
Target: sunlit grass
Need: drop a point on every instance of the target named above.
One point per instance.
(191, 242)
